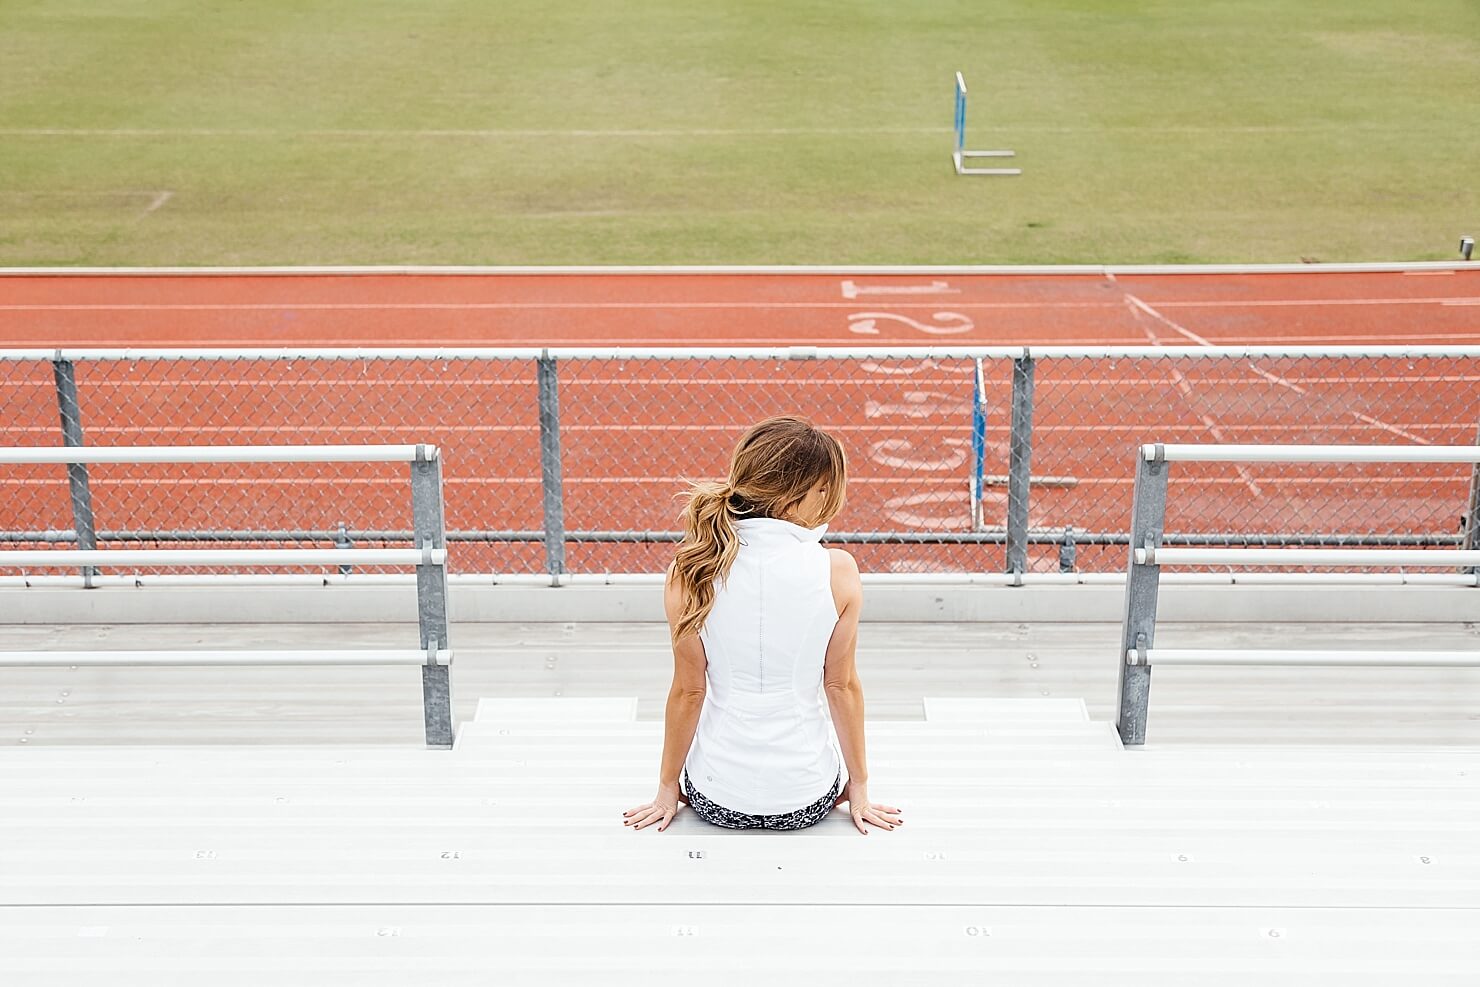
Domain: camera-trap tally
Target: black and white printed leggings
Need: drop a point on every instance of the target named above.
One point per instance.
(710, 812)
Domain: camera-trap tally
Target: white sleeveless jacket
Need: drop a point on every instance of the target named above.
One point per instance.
(764, 743)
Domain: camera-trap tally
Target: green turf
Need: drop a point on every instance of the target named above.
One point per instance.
(303, 132)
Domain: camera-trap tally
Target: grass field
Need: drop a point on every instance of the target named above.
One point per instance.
(151, 132)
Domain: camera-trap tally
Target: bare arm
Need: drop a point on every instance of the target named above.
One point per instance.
(840, 675)
(686, 697)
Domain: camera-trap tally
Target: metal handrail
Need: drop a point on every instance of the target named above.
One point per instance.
(352, 353)
(1138, 629)
(218, 454)
(429, 557)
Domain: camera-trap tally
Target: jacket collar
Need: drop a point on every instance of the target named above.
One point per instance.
(770, 528)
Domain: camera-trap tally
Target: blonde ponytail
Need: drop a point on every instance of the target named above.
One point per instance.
(771, 470)
(709, 546)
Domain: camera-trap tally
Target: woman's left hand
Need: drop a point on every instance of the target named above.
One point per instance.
(660, 810)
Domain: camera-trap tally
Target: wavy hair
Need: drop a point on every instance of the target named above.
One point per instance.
(774, 465)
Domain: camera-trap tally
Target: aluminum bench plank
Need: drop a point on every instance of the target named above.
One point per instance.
(477, 939)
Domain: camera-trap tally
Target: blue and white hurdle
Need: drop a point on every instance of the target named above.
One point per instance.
(960, 154)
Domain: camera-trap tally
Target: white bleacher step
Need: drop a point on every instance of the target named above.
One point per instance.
(555, 727)
(984, 711)
(975, 810)
(629, 946)
(886, 731)
(776, 870)
(570, 709)
(970, 779)
(1233, 765)
(622, 709)
(471, 742)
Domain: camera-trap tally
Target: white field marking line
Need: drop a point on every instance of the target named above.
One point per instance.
(1461, 301)
(157, 197)
(159, 200)
(1185, 388)
(476, 133)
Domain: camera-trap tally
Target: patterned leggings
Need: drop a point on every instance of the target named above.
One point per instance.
(730, 819)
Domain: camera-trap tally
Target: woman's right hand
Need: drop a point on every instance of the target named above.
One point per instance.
(862, 810)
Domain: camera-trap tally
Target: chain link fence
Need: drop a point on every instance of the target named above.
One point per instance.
(961, 461)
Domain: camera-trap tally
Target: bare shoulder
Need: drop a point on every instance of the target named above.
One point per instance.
(847, 587)
(842, 561)
(844, 571)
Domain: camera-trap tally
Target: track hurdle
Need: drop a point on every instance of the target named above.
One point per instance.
(960, 154)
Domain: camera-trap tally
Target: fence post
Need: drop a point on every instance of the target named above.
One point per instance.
(430, 532)
(1138, 630)
(978, 447)
(82, 509)
(1020, 452)
(1472, 513)
(550, 468)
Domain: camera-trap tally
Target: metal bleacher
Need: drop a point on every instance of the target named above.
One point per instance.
(1037, 848)
(1041, 847)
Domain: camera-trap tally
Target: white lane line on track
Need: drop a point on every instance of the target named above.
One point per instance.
(1180, 380)
(675, 427)
(577, 343)
(1272, 378)
(460, 306)
(1426, 339)
(1414, 340)
(1136, 303)
(1317, 302)
(397, 482)
(1345, 482)
(911, 428)
(400, 382)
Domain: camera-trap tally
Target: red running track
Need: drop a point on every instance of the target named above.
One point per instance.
(632, 431)
(648, 309)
